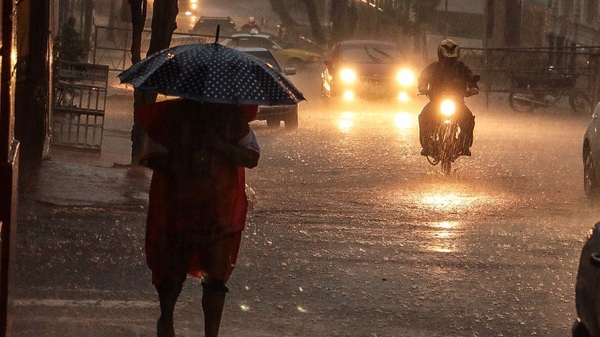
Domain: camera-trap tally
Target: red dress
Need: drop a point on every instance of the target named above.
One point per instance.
(195, 218)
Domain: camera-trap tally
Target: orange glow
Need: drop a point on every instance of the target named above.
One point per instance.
(346, 121)
(403, 121)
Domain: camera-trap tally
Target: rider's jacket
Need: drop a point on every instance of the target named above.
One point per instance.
(440, 78)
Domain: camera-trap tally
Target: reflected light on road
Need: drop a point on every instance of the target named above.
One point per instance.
(346, 121)
(403, 97)
(403, 121)
(445, 231)
(348, 95)
(449, 200)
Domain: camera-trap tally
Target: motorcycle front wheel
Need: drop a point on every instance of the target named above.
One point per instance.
(446, 166)
(580, 103)
(521, 102)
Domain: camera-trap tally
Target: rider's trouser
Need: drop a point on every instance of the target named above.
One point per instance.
(429, 119)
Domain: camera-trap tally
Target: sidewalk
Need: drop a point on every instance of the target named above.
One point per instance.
(116, 144)
(79, 178)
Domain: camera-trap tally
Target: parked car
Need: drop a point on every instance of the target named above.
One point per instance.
(207, 25)
(286, 53)
(591, 156)
(274, 115)
(587, 288)
(367, 69)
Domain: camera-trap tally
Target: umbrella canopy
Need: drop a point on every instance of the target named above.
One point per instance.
(212, 73)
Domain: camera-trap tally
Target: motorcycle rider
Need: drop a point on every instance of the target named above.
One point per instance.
(251, 26)
(447, 76)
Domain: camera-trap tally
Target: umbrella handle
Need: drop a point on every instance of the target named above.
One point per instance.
(217, 35)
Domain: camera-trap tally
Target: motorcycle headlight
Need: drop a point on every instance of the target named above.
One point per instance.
(405, 77)
(348, 75)
(447, 107)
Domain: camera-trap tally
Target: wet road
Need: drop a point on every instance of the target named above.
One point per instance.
(353, 234)
(390, 242)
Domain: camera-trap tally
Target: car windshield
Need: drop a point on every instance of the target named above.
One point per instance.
(371, 54)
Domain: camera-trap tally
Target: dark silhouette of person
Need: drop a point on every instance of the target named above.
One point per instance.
(71, 47)
(447, 76)
(197, 205)
(251, 26)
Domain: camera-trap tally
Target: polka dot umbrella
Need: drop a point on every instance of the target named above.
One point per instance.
(212, 73)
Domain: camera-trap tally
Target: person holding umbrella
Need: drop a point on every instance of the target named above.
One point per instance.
(197, 205)
(201, 145)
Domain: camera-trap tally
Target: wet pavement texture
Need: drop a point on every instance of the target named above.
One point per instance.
(353, 233)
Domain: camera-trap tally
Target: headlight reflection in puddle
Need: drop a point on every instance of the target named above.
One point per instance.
(346, 121)
(449, 201)
(448, 204)
(403, 121)
(444, 237)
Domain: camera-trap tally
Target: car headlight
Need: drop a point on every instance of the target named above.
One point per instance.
(348, 75)
(405, 77)
(447, 107)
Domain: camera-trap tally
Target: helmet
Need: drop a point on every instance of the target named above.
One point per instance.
(448, 49)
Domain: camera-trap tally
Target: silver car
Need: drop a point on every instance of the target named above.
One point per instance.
(274, 115)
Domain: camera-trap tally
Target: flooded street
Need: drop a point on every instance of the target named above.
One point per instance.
(353, 233)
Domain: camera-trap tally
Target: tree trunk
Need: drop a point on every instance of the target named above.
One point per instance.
(512, 27)
(338, 13)
(279, 8)
(138, 18)
(113, 18)
(163, 26)
(315, 23)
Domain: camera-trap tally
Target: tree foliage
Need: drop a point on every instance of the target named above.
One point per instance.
(409, 17)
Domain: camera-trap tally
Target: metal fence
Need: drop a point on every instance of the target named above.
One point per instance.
(79, 105)
(112, 45)
(498, 67)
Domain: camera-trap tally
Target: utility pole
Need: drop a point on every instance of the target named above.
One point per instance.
(9, 159)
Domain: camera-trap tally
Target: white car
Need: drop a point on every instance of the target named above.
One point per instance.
(274, 115)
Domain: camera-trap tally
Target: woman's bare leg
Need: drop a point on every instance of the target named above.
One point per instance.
(213, 301)
(167, 295)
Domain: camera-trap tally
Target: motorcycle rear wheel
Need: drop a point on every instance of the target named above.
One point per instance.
(520, 102)
(580, 103)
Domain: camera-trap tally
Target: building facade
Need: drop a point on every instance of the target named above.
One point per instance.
(544, 23)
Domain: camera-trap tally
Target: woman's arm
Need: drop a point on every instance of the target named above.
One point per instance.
(246, 153)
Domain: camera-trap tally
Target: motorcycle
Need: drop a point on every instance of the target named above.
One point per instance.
(546, 91)
(445, 141)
